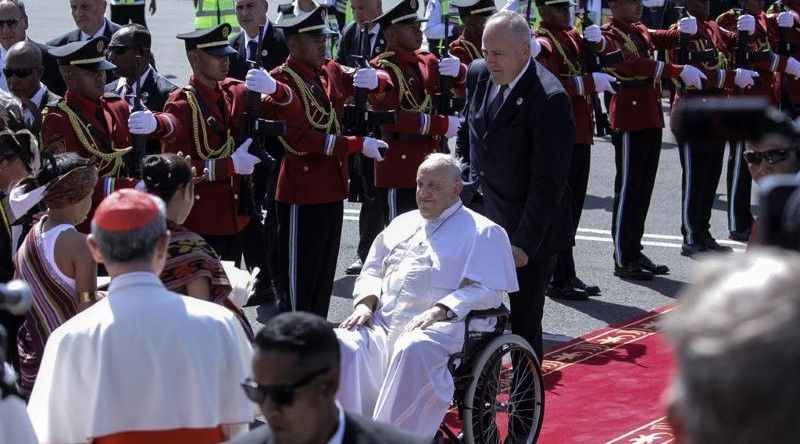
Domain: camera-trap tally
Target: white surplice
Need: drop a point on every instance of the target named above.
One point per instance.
(142, 359)
(460, 260)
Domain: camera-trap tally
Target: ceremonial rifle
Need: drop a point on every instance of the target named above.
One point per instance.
(138, 141)
(784, 49)
(445, 104)
(358, 119)
(685, 55)
(595, 63)
(254, 126)
(743, 57)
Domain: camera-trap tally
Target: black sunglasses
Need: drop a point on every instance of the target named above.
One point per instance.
(11, 23)
(21, 73)
(281, 395)
(772, 156)
(119, 50)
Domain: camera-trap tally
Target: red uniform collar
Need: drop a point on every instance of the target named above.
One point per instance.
(203, 89)
(82, 103)
(304, 69)
(407, 56)
(630, 27)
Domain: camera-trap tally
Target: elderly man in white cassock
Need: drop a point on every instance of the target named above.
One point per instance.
(424, 273)
(142, 364)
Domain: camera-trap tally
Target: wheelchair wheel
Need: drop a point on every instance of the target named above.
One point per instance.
(504, 402)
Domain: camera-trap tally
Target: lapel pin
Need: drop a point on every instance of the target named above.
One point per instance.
(264, 53)
(519, 101)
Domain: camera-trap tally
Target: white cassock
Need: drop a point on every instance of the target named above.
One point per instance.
(142, 359)
(461, 260)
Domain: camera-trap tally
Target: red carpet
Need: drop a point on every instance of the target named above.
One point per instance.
(606, 386)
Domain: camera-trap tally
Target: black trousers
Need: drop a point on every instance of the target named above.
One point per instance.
(124, 14)
(308, 247)
(740, 218)
(701, 165)
(636, 155)
(395, 201)
(258, 237)
(527, 304)
(228, 247)
(578, 182)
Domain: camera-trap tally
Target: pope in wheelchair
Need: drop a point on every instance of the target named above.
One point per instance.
(424, 273)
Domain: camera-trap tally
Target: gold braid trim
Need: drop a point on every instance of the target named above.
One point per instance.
(203, 150)
(472, 49)
(404, 90)
(289, 148)
(113, 160)
(320, 117)
(630, 46)
(573, 70)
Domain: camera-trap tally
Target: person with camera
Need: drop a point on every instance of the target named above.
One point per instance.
(701, 161)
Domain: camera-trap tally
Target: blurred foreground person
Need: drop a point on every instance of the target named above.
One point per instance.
(735, 337)
(304, 410)
(154, 366)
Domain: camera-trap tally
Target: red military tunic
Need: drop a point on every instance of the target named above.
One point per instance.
(720, 80)
(758, 42)
(791, 84)
(216, 207)
(416, 133)
(563, 54)
(466, 47)
(314, 170)
(638, 107)
(97, 130)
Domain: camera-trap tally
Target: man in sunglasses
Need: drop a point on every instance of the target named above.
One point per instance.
(14, 29)
(154, 366)
(129, 50)
(23, 70)
(295, 380)
(772, 156)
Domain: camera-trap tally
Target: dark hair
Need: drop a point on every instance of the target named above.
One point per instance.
(13, 143)
(19, 4)
(165, 173)
(305, 335)
(139, 35)
(56, 165)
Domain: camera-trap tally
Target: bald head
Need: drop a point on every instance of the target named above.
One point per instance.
(26, 53)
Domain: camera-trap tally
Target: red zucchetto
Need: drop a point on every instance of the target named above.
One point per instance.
(125, 210)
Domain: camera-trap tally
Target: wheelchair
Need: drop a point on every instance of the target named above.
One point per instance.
(499, 391)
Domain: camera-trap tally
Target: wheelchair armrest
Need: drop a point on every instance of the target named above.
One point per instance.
(501, 313)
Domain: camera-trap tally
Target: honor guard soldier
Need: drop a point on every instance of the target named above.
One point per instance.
(786, 41)
(761, 58)
(473, 14)
(417, 131)
(563, 52)
(97, 125)
(701, 161)
(312, 183)
(637, 119)
(210, 110)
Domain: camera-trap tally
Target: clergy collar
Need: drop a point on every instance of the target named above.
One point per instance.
(136, 278)
(100, 32)
(248, 39)
(304, 69)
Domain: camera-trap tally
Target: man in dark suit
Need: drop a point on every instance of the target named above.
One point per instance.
(89, 17)
(362, 170)
(260, 236)
(23, 69)
(295, 379)
(517, 139)
(12, 12)
(130, 42)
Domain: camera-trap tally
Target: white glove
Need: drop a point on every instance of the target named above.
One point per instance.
(603, 82)
(244, 162)
(453, 123)
(536, 48)
(792, 67)
(691, 76)
(746, 22)
(745, 78)
(260, 81)
(593, 34)
(142, 122)
(370, 148)
(449, 66)
(687, 25)
(140, 186)
(785, 19)
(366, 78)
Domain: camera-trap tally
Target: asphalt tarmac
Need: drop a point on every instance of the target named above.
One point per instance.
(563, 320)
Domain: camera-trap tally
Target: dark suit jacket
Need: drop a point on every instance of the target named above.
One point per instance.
(274, 44)
(357, 430)
(155, 92)
(52, 77)
(348, 45)
(521, 159)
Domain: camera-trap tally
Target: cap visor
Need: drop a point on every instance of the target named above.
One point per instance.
(220, 51)
(99, 66)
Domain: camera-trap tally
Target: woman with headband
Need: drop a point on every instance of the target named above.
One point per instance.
(54, 258)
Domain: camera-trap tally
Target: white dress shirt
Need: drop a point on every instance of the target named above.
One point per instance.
(122, 82)
(495, 88)
(85, 36)
(338, 437)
